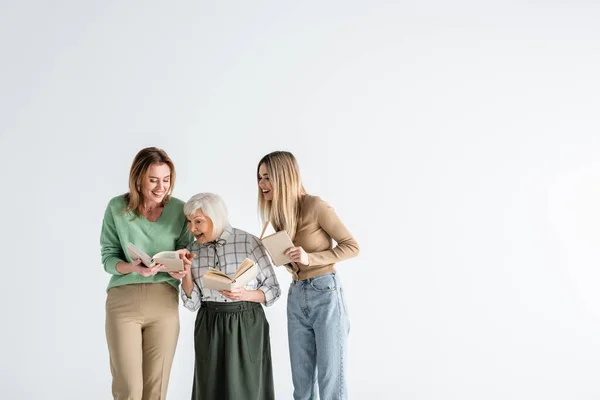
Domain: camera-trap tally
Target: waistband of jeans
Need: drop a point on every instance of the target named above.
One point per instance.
(217, 306)
(309, 280)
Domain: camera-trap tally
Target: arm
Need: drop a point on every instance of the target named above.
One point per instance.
(190, 293)
(111, 250)
(269, 286)
(188, 285)
(346, 247)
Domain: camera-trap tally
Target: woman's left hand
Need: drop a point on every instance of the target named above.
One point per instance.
(298, 255)
(239, 294)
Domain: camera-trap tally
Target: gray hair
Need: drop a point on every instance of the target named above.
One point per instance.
(212, 206)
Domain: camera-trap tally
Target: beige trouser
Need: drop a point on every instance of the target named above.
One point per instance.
(142, 327)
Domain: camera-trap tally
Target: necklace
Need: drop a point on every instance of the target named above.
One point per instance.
(152, 214)
(151, 208)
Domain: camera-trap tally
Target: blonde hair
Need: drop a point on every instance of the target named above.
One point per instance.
(139, 170)
(283, 212)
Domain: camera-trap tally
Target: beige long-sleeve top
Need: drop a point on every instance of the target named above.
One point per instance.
(318, 225)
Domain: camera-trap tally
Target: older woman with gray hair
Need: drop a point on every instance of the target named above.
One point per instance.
(231, 336)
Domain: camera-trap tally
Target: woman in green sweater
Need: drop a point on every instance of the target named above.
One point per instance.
(142, 312)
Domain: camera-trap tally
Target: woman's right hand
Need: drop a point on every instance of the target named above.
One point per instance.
(182, 274)
(138, 267)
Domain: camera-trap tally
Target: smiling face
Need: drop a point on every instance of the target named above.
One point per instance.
(156, 184)
(264, 183)
(201, 227)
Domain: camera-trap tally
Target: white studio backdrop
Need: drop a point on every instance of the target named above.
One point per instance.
(458, 141)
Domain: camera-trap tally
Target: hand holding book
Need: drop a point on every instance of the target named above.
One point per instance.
(239, 294)
(277, 245)
(243, 294)
(297, 255)
(139, 267)
(170, 260)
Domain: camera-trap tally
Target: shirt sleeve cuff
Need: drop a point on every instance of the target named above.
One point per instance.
(190, 302)
(269, 295)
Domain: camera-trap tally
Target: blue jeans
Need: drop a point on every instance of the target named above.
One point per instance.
(318, 328)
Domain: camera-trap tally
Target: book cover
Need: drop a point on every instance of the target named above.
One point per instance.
(276, 244)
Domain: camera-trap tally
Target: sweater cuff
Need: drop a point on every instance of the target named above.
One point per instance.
(311, 262)
(111, 266)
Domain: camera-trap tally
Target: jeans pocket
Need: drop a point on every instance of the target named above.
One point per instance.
(324, 283)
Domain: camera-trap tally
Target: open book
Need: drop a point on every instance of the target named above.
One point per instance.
(170, 259)
(276, 244)
(217, 280)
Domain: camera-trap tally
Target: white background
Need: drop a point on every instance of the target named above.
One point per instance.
(458, 141)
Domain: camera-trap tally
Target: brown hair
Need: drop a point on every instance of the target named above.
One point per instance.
(283, 212)
(139, 170)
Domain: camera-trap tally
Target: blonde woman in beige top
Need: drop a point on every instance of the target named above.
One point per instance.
(318, 323)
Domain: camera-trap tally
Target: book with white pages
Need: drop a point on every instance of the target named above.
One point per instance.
(170, 259)
(217, 280)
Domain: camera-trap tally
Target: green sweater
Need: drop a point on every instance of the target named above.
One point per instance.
(169, 232)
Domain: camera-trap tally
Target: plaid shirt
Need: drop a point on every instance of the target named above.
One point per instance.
(226, 254)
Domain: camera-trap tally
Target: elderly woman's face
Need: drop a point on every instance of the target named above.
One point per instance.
(201, 227)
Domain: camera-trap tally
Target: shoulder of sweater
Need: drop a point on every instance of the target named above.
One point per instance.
(314, 204)
(176, 206)
(174, 201)
(117, 203)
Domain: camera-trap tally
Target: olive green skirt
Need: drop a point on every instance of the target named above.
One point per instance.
(233, 353)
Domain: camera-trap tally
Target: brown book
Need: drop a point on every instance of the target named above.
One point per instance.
(276, 244)
(217, 280)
